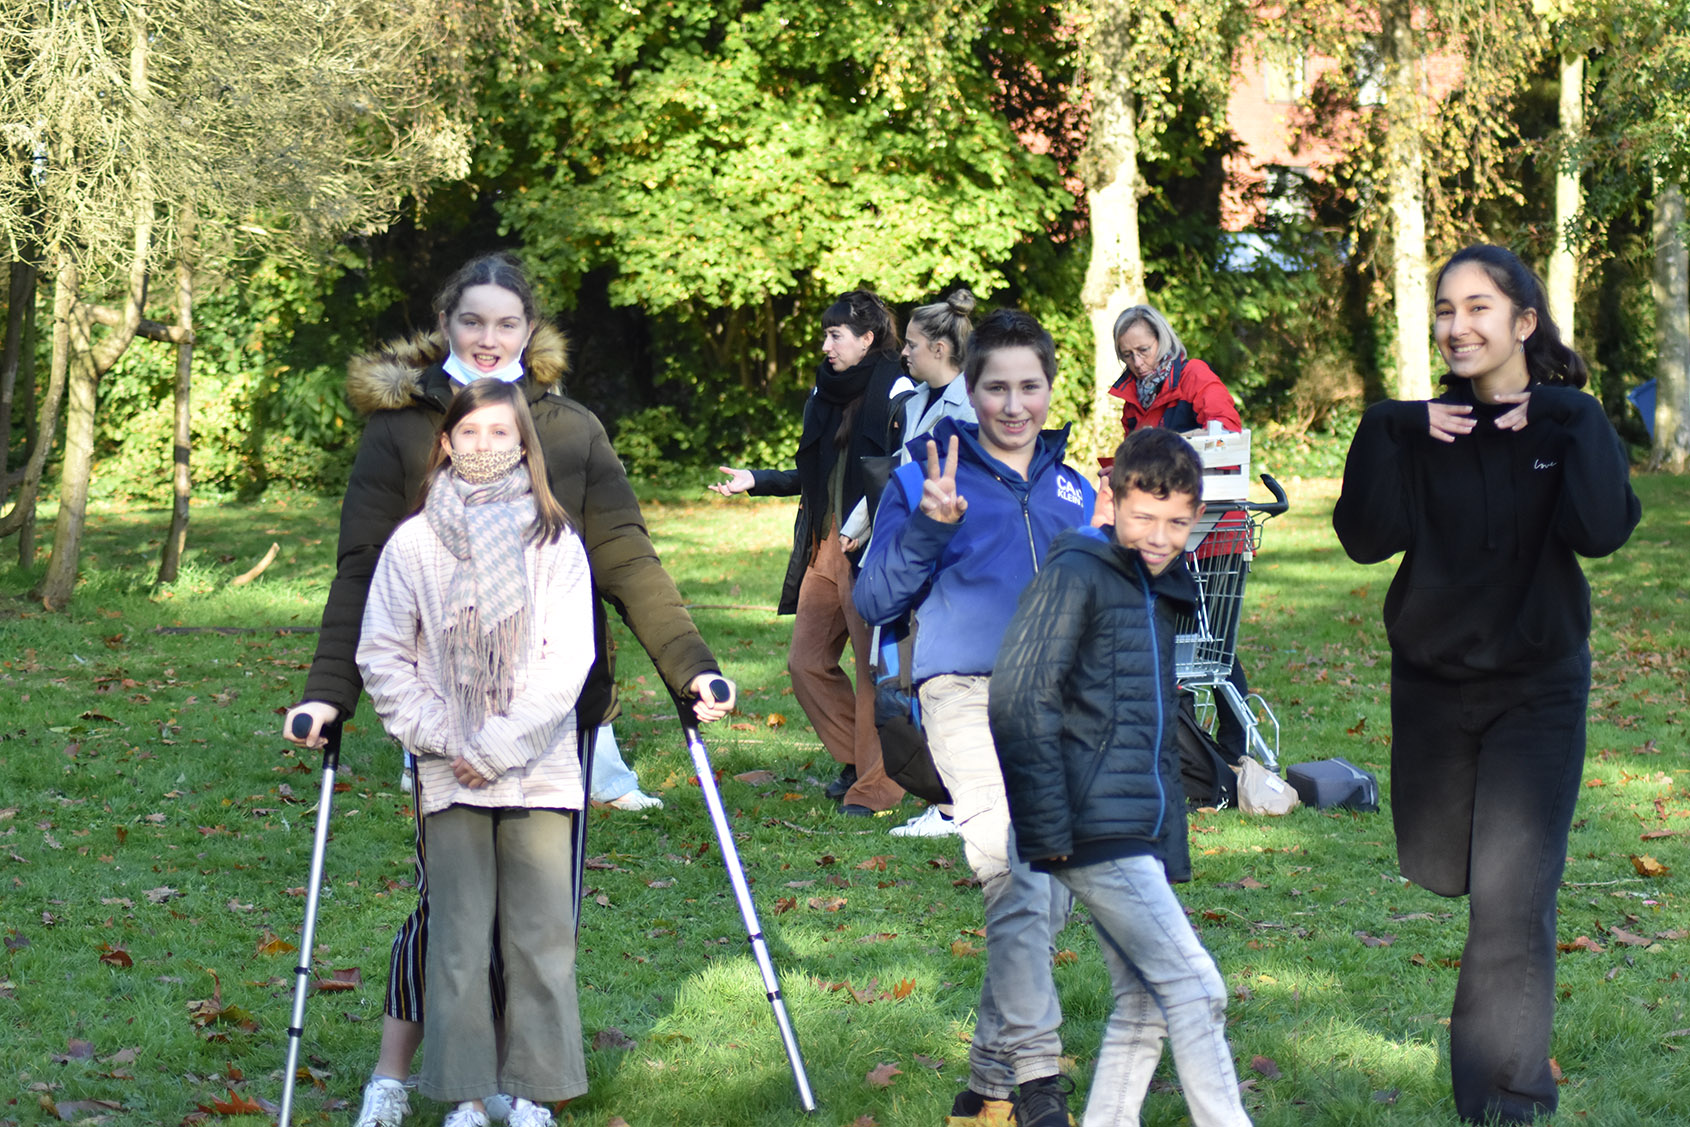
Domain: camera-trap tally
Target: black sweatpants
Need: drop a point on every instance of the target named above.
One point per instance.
(1484, 777)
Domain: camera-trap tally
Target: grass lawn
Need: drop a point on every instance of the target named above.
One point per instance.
(155, 835)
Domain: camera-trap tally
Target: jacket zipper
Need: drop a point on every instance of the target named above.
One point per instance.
(1161, 716)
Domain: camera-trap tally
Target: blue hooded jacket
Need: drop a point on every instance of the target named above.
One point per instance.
(964, 579)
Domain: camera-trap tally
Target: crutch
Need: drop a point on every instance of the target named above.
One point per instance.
(742, 894)
(308, 937)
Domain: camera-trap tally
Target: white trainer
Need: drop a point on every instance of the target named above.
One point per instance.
(465, 1115)
(385, 1103)
(527, 1113)
(929, 823)
(637, 799)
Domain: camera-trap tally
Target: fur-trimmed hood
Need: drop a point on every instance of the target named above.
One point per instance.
(391, 376)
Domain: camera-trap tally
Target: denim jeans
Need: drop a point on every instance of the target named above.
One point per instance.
(1166, 985)
(1016, 1028)
(612, 777)
(1484, 778)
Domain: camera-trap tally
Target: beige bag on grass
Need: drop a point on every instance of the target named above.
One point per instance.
(1260, 791)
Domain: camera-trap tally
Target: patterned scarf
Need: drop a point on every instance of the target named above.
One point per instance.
(1149, 385)
(481, 510)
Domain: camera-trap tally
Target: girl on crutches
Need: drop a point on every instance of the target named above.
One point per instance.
(475, 646)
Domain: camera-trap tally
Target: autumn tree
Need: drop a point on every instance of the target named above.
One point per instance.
(270, 124)
(1142, 64)
(1434, 150)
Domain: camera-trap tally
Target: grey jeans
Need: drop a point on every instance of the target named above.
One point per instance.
(512, 865)
(1166, 986)
(1016, 1027)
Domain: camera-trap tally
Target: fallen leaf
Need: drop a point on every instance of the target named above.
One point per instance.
(161, 894)
(865, 1121)
(963, 949)
(903, 990)
(115, 956)
(877, 937)
(785, 904)
(1582, 943)
(1063, 957)
(827, 903)
(75, 1049)
(1251, 883)
(1647, 866)
(272, 944)
(347, 978)
(1375, 940)
(613, 1038)
(237, 1104)
(775, 720)
(881, 1075)
(1357, 730)
(1555, 1071)
(876, 863)
(756, 777)
(1265, 1066)
(1620, 935)
(929, 1062)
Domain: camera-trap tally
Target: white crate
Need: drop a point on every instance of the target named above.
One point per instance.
(1226, 462)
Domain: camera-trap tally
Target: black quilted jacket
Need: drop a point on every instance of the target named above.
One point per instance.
(1083, 708)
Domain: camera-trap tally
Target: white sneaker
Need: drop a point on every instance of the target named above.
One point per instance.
(636, 799)
(498, 1107)
(465, 1115)
(526, 1113)
(929, 823)
(385, 1103)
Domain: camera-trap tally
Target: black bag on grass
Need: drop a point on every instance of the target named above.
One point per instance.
(1204, 766)
(1332, 782)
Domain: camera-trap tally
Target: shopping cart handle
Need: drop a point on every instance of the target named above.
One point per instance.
(1270, 508)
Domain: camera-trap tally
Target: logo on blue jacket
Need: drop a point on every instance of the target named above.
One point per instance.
(1068, 490)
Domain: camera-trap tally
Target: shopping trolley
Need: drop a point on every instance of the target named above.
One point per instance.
(1223, 542)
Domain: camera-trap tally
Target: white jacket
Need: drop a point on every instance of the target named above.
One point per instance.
(529, 755)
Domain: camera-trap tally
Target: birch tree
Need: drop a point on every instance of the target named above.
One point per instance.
(284, 124)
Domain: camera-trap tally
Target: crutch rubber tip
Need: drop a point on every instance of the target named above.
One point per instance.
(301, 725)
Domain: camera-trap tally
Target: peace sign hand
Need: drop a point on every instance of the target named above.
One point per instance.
(939, 498)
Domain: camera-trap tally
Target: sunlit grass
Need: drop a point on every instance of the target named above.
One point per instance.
(136, 760)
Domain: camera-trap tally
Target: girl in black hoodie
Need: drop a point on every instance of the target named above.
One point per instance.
(1491, 490)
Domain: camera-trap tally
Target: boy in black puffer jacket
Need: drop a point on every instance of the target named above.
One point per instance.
(1083, 715)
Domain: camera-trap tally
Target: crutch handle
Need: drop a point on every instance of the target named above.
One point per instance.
(301, 725)
(720, 689)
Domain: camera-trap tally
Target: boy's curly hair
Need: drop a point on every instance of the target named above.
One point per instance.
(1159, 462)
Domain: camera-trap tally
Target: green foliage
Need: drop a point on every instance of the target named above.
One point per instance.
(269, 372)
(729, 153)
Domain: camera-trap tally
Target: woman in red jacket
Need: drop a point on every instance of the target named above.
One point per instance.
(1162, 386)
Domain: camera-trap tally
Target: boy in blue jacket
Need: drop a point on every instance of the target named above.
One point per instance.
(1083, 716)
(960, 575)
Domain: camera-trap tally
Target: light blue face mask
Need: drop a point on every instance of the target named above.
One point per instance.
(466, 374)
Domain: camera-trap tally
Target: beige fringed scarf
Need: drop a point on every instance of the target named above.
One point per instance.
(481, 510)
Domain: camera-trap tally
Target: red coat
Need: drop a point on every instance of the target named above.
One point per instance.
(1190, 396)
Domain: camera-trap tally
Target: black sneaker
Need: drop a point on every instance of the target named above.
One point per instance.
(1044, 1102)
(846, 780)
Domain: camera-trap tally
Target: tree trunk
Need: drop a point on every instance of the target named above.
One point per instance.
(182, 482)
(1563, 263)
(1115, 271)
(21, 519)
(1406, 180)
(20, 300)
(88, 364)
(1670, 288)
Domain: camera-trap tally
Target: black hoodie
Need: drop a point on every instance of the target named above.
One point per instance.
(1490, 525)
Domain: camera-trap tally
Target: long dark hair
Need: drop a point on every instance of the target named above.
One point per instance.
(861, 311)
(1548, 358)
(550, 519)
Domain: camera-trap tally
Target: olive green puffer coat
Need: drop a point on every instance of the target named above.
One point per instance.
(405, 393)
